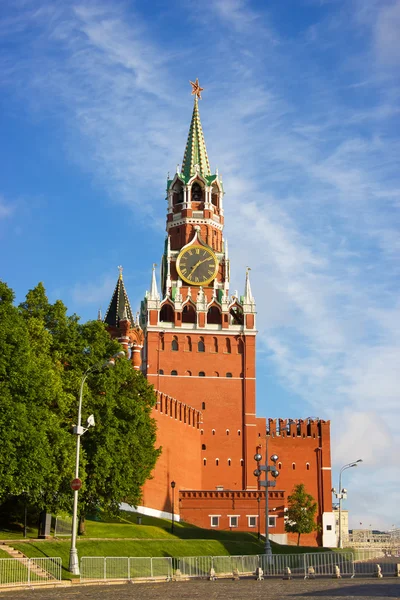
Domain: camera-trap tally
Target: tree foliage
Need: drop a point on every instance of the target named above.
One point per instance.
(302, 509)
(44, 354)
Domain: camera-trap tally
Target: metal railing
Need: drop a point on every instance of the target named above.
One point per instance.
(29, 571)
(62, 527)
(167, 568)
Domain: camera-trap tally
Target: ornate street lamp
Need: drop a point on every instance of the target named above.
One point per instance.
(267, 484)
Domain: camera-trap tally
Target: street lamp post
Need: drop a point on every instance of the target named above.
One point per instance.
(341, 494)
(267, 484)
(173, 484)
(78, 430)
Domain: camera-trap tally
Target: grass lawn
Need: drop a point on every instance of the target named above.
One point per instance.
(17, 533)
(4, 554)
(125, 537)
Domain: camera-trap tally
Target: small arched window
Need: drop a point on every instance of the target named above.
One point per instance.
(215, 344)
(201, 431)
(203, 446)
(174, 372)
(204, 461)
(241, 462)
(160, 372)
(188, 373)
(308, 466)
(229, 462)
(213, 431)
(203, 405)
(239, 432)
(188, 343)
(197, 193)
(294, 466)
(227, 345)
(216, 462)
(202, 374)
(280, 466)
(240, 347)
(229, 374)
(216, 374)
(227, 432)
(174, 344)
(200, 345)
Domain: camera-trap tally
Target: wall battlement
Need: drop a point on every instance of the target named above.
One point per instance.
(304, 428)
(175, 409)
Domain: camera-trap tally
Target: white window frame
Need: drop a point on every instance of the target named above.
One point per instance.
(237, 521)
(214, 517)
(255, 517)
(274, 517)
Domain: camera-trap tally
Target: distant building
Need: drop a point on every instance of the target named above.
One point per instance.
(195, 341)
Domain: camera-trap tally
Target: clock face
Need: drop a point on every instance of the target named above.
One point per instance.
(197, 265)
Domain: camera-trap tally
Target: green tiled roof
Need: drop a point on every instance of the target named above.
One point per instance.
(195, 151)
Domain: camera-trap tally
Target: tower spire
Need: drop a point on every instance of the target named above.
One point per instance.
(195, 158)
(119, 307)
(248, 296)
(153, 295)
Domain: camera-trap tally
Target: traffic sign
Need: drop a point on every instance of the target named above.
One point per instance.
(76, 484)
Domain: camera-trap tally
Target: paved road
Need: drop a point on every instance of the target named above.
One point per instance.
(220, 590)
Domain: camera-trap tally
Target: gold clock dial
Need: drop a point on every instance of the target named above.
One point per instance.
(197, 265)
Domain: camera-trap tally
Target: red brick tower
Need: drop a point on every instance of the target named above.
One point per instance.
(199, 339)
(199, 353)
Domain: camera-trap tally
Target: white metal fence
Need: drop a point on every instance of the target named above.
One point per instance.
(29, 571)
(167, 568)
(62, 527)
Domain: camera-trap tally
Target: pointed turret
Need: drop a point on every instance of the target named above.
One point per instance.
(195, 158)
(153, 294)
(119, 307)
(248, 296)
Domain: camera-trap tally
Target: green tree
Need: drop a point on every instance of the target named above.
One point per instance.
(44, 354)
(302, 509)
(33, 440)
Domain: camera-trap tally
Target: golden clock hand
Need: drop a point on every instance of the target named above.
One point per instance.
(195, 266)
(199, 263)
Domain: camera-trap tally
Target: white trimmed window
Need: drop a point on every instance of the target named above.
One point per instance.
(252, 520)
(214, 520)
(272, 521)
(233, 520)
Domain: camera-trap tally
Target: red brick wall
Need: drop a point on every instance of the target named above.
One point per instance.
(306, 446)
(179, 437)
(197, 506)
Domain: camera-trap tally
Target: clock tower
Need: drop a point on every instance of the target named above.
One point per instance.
(199, 338)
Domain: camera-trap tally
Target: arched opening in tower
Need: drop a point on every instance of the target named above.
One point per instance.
(188, 314)
(214, 316)
(167, 314)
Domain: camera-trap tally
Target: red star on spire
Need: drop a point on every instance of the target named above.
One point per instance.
(196, 89)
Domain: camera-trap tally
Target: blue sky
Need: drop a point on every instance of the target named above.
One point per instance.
(301, 116)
